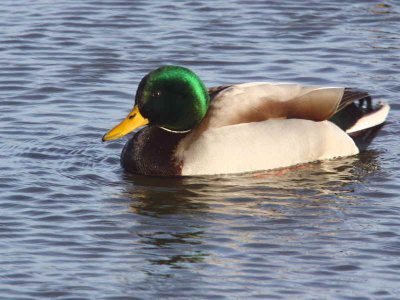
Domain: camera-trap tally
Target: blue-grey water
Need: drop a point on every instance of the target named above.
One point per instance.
(73, 225)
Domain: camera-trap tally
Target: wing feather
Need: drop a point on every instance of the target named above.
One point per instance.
(351, 95)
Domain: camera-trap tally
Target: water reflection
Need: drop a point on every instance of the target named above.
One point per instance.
(182, 221)
(172, 226)
(381, 9)
(160, 196)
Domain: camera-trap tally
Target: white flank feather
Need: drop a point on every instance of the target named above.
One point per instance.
(370, 120)
(263, 146)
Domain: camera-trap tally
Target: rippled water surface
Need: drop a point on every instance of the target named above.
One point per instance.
(73, 225)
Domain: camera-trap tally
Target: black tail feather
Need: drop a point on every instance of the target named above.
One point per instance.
(364, 137)
(349, 112)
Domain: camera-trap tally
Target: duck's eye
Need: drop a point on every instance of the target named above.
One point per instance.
(156, 94)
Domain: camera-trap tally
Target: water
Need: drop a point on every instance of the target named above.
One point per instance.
(74, 226)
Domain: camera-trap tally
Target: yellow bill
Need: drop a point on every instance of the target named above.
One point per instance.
(131, 122)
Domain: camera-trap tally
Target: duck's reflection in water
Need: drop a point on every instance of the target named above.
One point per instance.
(181, 221)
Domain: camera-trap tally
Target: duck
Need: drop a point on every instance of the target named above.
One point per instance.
(187, 129)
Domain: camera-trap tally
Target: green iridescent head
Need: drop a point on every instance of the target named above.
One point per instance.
(170, 97)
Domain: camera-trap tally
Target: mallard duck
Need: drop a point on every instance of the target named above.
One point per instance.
(192, 130)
